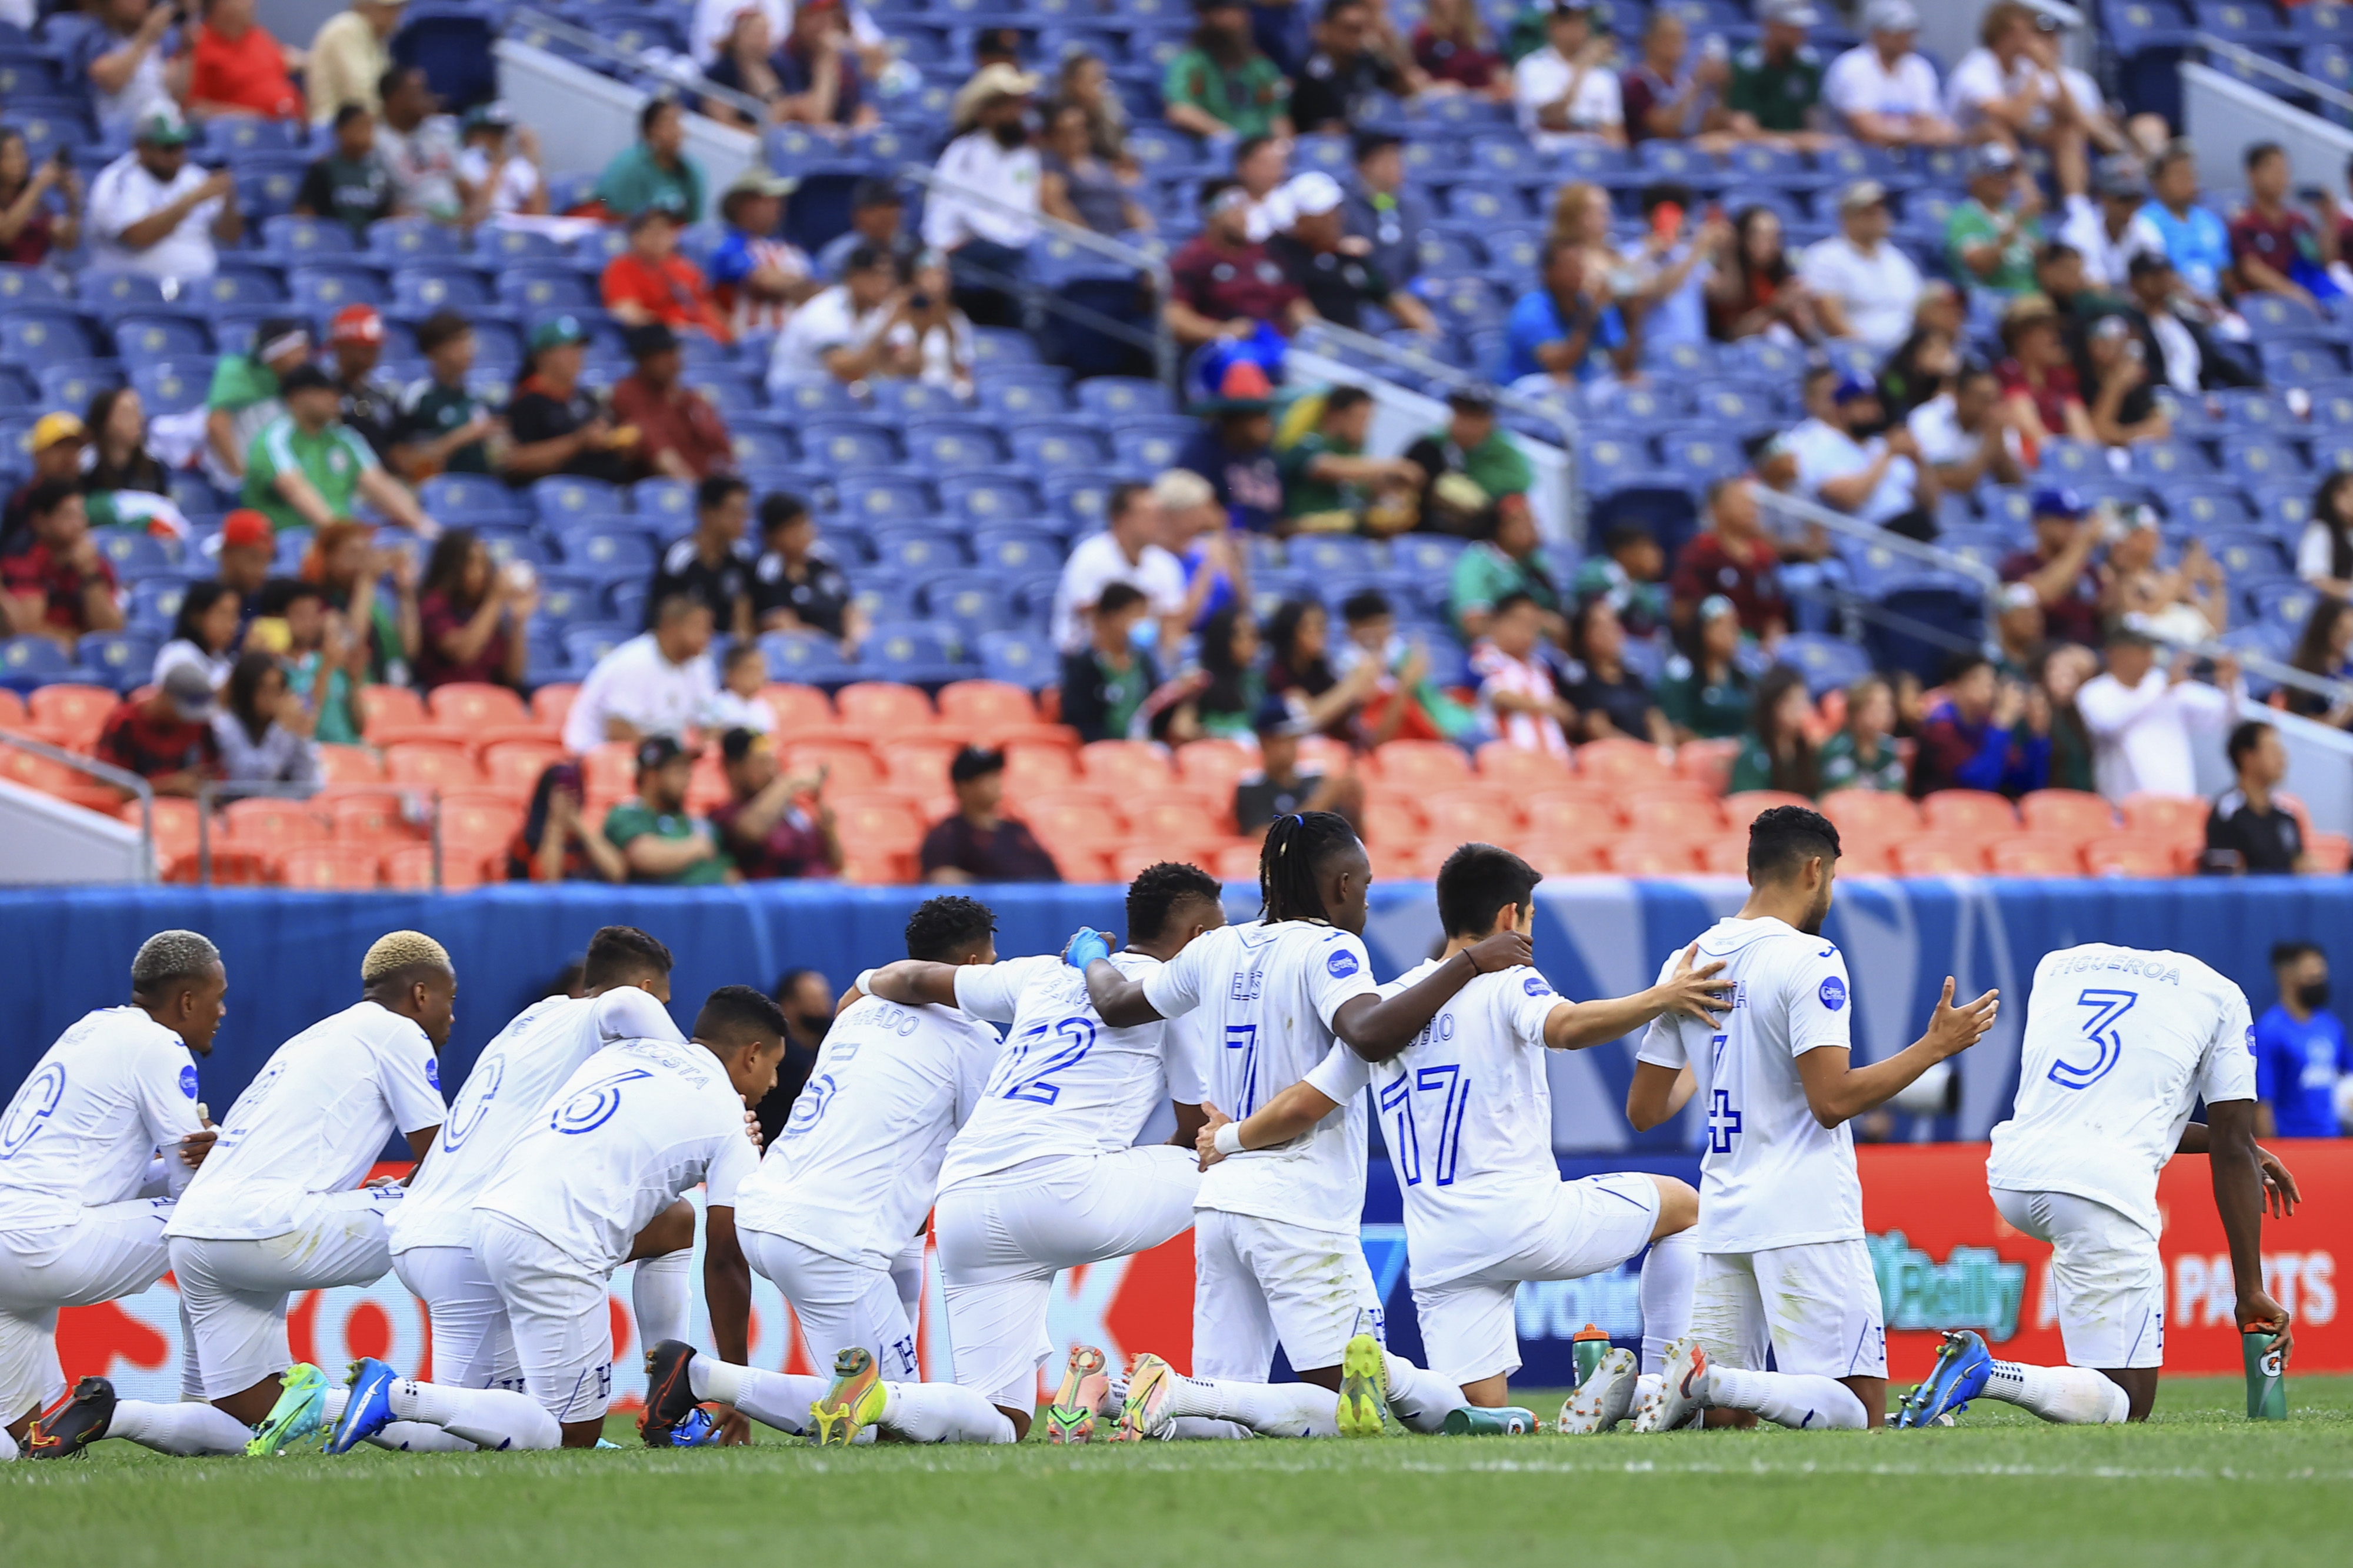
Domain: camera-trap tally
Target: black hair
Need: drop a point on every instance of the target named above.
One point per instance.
(653, 111)
(1340, 399)
(674, 606)
(280, 594)
(1621, 534)
(1122, 495)
(733, 1013)
(1477, 880)
(1964, 664)
(195, 605)
(1211, 189)
(48, 495)
(1367, 143)
(1366, 605)
(2244, 738)
(1245, 147)
(244, 691)
(618, 954)
(1224, 692)
(2314, 654)
(865, 258)
(737, 652)
(2289, 952)
(348, 113)
(1798, 771)
(1297, 847)
(1158, 889)
(1333, 7)
(2055, 251)
(1785, 837)
(439, 327)
(1315, 676)
(444, 569)
(790, 981)
(780, 507)
(2260, 151)
(1117, 597)
(2176, 151)
(1655, 196)
(389, 82)
(943, 929)
(1506, 603)
(716, 489)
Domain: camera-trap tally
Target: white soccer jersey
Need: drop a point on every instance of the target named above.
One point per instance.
(855, 1168)
(1065, 1082)
(312, 1120)
(511, 1081)
(116, 1087)
(1772, 1175)
(633, 1128)
(2120, 1044)
(1267, 993)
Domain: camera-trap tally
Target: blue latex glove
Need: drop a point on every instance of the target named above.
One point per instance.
(1085, 947)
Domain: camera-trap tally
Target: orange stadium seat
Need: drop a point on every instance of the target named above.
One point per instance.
(1412, 862)
(478, 820)
(919, 765)
(325, 866)
(1129, 859)
(1621, 762)
(1560, 856)
(1942, 855)
(475, 705)
(2129, 855)
(1727, 856)
(349, 765)
(847, 764)
(388, 705)
(2071, 814)
(2176, 818)
(76, 713)
(1030, 767)
(878, 821)
(1121, 766)
(1579, 811)
(1172, 816)
(1675, 815)
(609, 773)
(1862, 857)
(272, 824)
(2331, 852)
(1420, 765)
(552, 703)
(1871, 813)
(442, 767)
(517, 764)
(22, 767)
(1647, 855)
(1060, 816)
(801, 711)
(176, 827)
(1471, 813)
(1082, 862)
(230, 868)
(2035, 855)
(1707, 762)
(410, 868)
(1740, 810)
(986, 704)
(870, 707)
(12, 710)
(1323, 753)
(371, 815)
(1392, 819)
(1520, 769)
(1979, 814)
(1214, 766)
(869, 868)
(1237, 863)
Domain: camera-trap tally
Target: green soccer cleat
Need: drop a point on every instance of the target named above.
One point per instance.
(299, 1414)
(1363, 1388)
(1071, 1417)
(854, 1401)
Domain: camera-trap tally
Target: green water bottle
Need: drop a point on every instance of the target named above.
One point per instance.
(1589, 1347)
(2266, 1376)
(1484, 1421)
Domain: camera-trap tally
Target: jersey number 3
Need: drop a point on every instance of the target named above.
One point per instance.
(2104, 1007)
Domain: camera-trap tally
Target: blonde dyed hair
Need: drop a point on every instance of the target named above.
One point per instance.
(397, 950)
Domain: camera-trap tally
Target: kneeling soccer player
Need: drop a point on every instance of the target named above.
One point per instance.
(2120, 1044)
(634, 1128)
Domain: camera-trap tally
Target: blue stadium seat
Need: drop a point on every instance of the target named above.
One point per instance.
(30, 661)
(2282, 508)
(71, 387)
(122, 659)
(1978, 543)
(1078, 498)
(135, 554)
(584, 645)
(155, 602)
(500, 247)
(145, 338)
(1700, 457)
(982, 498)
(1828, 663)
(2288, 604)
(664, 505)
(884, 500)
(1058, 449)
(626, 600)
(397, 242)
(1734, 407)
(1016, 552)
(971, 601)
(238, 135)
(1022, 396)
(1427, 556)
(508, 542)
(2246, 556)
(2261, 460)
(32, 337)
(31, 285)
(2301, 362)
(947, 445)
(1018, 658)
(913, 551)
(110, 294)
(568, 598)
(1324, 555)
(2272, 317)
(908, 400)
(1484, 201)
(1119, 397)
(565, 497)
(813, 399)
(844, 447)
(300, 241)
(891, 596)
(1153, 450)
(920, 653)
(609, 550)
(2200, 505)
(2164, 461)
(465, 499)
(807, 658)
(546, 287)
(322, 290)
(2073, 460)
(423, 290)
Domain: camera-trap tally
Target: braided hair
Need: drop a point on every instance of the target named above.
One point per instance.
(1296, 845)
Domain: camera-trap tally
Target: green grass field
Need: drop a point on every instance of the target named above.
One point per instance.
(2199, 1484)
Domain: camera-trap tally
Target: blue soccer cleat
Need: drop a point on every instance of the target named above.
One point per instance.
(369, 1410)
(699, 1430)
(1962, 1367)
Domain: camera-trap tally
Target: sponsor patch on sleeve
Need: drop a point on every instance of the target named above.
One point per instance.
(1833, 992)
(433, 1072)
(188, 1082)
(1535, 985)
(1341, 964)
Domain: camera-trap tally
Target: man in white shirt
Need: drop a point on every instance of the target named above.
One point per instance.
(841, 334)
(1276, 1253)
(94, 1146)
(984, 213)
(2012, 87)
(660, 682)
(839, 1201)
(1466, 1114)
(279, 1205)
(153, 213)
(714, 19)
(1884, 90)
(2107, 228)
(1128, 550)
(2146, 723)
(1783, 1264)
(2120, 1044)
(420, 148)
(1879, 481)
(126, 58)
(637, 1126)
(1874, 284)
(1968, 435)
(1567, 93)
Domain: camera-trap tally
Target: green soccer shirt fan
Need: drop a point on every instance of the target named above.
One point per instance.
(307, 467)
(662, 843)
(1221, 83)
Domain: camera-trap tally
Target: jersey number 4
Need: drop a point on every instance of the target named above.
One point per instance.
(2104, 1007)
(1451, 1091)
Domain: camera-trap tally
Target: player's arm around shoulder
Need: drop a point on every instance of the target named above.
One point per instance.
(1836, 1090)
(1339, 1078)
(1690, 990)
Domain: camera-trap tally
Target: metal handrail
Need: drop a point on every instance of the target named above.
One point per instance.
(675, 70)
(2240, 55)
(106, 773)
(210, 792)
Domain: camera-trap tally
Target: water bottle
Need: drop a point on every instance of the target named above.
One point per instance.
(1481, 1421)
(2266, 1376)
(1589, 1347)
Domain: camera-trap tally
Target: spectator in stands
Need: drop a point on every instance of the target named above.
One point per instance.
(1281, 786)
(2299, 1048)
(498, 166)
(243, 397)
(1878, 479)
(1627, 572)
(1299, 670)
(558, 426)
(1085, 82)
(680, 434)
(440, 426)
(1468, 464)
(1262, 166)
(877, 222)
(349, 182)
(1229, 689)
(1106, 682)
(2059, 567)
(1668, 96)
(986, 238)
(1077, 187)
(153, 213)
(1671, 265)
(475, 615)
(737, 704)
(1921, 367)
(796, 584)
(979, 844)
(1862, 755)
(349, 56)
(1567, 90)
(713, 566)
(321, 660)
(307, 467)
(1505, 562)
(1990, 238)
(1127, 551)
(2038, 387)
(658, 683)
(757, 280)
(931, 337)
(2146, 723)
(651, 282)
(2175, 343)
(260, 729)
(2011, 88)
(1758, 292)
(818, 73)
(1381, 213)
(2274, 248)
(247, 548)
(2114, 374)
(1568, 331)
(419, 147)
(1884, 90)
(1966, 433)
(2323, 553)
(654, 171)
(2247, 830)
(61, 587)
(1704, 694)
(1219, 84)
(1234, 451)
(1775, 88)
(1200, 535)
(1404, 702)
(2059, 674)
(2195, 239)
(659, 839)
(1610, 699)
(204, 633)
(1984, 735)
(1517, 698)
(843, 332)
(1866, 286)
(124, 59)
(374, 592)
(1732, 558)
(775, 825)
(1451, 44)
(556, 845)
(355, 338)
(1342, 83)
(1224, 284)
(1330, 486)
(126, 485)
(2019, 631)
(166, 736)
(1317, 257)
(58, 441)
(1777, 754)
(40, 208)
(2106, 228)
(2324, 648)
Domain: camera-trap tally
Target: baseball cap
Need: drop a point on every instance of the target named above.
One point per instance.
(557, 332)
(2058, 501)
(975, 762)
(2131, 631)
(1715, 606)
(1850, 387)
(51, 428)
(1313, 194)
(1890, 16)
(491, 116)
(1860, 194)
(1790, 12)
(2017, 596)
(739, 743)
(1477, 398)
(246, 529)
(356, 324)
(2111, 326)
(304, 378)
(1274, 717)
(875, 191)
(651, 339)
(190, 689)
(660, 750)
(2121, 175)
(1992, 158)
(163, 129)
(756, 180)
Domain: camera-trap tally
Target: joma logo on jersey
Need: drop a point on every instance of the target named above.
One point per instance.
(1974, 1287)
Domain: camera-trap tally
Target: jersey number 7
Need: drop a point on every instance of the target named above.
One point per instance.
(1446, 1083)
(2100, 1028)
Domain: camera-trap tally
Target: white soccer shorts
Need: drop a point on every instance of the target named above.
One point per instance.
(560, 1315)
(2107, 1280)
(839, 1303)
(112, 1250)
(235, 1291)
(473, 1344)
(1003, 1239)
(1469, 1330)
(1815, 1305)
(1257, 1281)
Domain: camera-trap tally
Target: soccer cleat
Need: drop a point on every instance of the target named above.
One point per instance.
(300, 1411)
(1606, 1398)
(369, 1409)
(74, 1422)
(1145, 1413)
(1071, 1417)
(670, 1392)
(1363, 1388)
(1683, 1391)
(699, 1430)
(853, 1402)
(1963, 1365)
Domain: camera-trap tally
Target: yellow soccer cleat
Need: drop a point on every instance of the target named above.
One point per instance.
(1149, 1384)
(1071, 1417)
(854, 1401)
(1363, 1388)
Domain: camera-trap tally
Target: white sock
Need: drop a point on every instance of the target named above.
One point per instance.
(662, 1294)
(1668, 1275)
(1201, 1428)
(192, 1377)
(943, 1413)
(419, 1437)
(781, 1399)
(1418, 1398)
(339, 1394)
(907, 1279)
(2070, 1395)
(1270, 1409)
(178, 1428)
(1646, 1386)
(1792, 1399)
(484, 1417)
